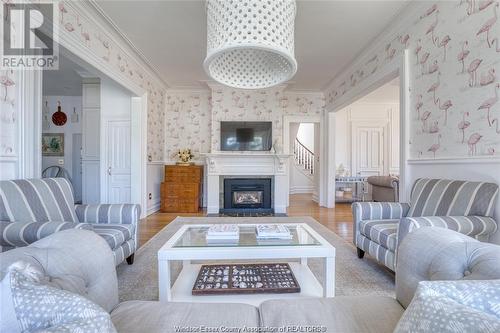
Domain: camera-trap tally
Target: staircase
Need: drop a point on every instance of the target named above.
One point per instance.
(303, 157)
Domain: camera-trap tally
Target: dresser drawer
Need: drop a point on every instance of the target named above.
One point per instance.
(182, 174)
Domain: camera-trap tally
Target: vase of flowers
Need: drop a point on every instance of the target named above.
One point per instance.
(185, 156)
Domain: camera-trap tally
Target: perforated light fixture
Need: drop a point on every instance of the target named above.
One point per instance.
(250, 43)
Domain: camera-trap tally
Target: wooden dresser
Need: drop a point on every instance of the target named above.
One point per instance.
(181, 190)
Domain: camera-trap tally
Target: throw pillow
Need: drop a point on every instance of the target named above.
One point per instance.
(30, 305)
(453, 306)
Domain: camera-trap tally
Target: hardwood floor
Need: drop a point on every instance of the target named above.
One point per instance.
(339, 219)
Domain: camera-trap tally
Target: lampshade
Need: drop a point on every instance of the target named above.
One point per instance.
(250, 43)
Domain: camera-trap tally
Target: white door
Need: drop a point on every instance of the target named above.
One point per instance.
(119, 155)
(368, 151)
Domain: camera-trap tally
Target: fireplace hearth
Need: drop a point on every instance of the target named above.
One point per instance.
(247, 195)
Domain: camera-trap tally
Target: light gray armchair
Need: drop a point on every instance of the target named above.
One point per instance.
(31, 209)
(463, 206)
(384, 188)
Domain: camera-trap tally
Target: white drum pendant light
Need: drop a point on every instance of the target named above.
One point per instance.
(250, 43)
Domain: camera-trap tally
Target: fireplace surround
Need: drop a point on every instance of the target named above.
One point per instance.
(247, 195)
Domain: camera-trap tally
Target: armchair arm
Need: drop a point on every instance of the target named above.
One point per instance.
(479, 227)
(377, 211)
(432, 253)
(15, 234)
(109, 214)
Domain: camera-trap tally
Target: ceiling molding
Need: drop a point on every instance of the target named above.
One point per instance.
(93, 4)
(400, 23)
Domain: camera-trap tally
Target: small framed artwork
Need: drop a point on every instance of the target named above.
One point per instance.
(53, 144)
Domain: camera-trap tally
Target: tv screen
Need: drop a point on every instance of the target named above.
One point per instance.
(246, 136)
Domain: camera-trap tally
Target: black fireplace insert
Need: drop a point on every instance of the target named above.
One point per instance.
(247, 195)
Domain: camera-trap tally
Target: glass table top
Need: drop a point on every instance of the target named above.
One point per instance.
(195, 236)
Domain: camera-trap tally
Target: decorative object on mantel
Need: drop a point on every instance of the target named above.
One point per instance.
(74, 116)
(185, 156)
(53, 144)
(250, 44)
(45, 121)
(59, 118)
(245, 279)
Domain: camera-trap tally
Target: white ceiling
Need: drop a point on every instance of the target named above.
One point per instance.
(65, 81)
(328, 35)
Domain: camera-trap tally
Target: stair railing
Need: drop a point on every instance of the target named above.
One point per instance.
(303, 156)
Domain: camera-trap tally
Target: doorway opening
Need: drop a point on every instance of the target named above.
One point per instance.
(367, 143)
(90, 127)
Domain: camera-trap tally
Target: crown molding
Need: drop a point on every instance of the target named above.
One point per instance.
(93, 5)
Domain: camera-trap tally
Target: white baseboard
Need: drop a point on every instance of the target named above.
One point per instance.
(315, 197)
(301, 189)
(153, 209)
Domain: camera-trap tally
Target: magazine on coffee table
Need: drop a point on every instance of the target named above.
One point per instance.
(223, 232)
(273, 231)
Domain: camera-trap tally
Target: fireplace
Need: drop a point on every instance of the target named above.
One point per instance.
(247, 195)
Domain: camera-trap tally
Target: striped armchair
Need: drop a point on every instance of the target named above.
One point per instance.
(463, 206)
(31, 209)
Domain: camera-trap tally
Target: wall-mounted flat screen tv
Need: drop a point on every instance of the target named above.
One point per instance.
(246, 135)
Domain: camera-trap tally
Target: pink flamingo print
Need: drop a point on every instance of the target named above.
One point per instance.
(497, 127)
(69, 27)
(419, 105)
(6, 82)
(488, 78)
(444, 107)
(418, 49)
(496, 42)
(472, 70)
(488, 25)
(434, 128)
(425, 116)
(463, 54)
(444, 44)
(62, 11)
(434, 67)
(432, 29)
(463, 125)
(429, 11)
(424, 59)
(404, 40)
(472, 142)
(432, 89)
(485, 4)
(435, 147)
(489, 103)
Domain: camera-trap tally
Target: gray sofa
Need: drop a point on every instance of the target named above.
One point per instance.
(463, 206)
(88, 269)
(31, 209)
(384, 188)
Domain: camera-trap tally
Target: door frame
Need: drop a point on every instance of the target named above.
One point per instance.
(287, 120)
(400, 67)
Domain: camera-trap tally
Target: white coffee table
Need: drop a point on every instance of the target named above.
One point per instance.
(189, 244)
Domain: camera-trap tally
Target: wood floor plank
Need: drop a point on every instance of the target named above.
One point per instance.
(338, 219)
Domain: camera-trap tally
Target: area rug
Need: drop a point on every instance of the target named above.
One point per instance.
(353, 276)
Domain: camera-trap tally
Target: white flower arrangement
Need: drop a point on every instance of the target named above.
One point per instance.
(185, 155)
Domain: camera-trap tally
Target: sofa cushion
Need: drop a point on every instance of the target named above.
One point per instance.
(339, 314)
(151, 317)
(115, 234)
(39, 306)
(383, 232)
(453, 306)
(38, 200)
(443, 197)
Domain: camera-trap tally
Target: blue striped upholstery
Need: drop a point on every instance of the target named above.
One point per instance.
(444, 197)
(37, 200)
(383, 232)
(463, 206)
(31, 209)
(479, 227)
(15, 234)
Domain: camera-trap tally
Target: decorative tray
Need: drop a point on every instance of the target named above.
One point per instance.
(245, 279)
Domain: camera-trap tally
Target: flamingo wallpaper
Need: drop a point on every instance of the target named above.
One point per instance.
(74, 22)
(454, 65)
(8, 115)
(193, 117)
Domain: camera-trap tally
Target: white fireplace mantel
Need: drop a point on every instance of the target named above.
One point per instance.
(247, 164)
